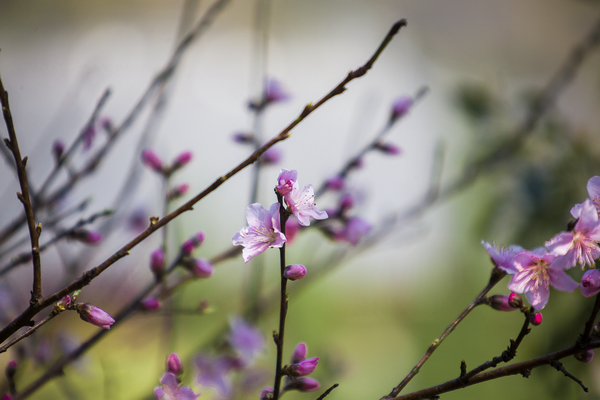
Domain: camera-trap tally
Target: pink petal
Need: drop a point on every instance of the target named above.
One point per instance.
(588, 218)
(538, 298)
(590, 283)
(561, 281)
(560, 244)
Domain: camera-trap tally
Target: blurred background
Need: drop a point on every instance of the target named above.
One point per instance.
(373, 312)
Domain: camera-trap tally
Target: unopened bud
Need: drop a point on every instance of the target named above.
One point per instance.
(515, 300)
(294, 272)
(303, 368)
(335, 183)
(346, 202)
(241, 137)
(388, 148)
(150, 304)
(585, 356)
(299, 353)
(178, 191)
(174, 364)
(11, 369)
(182, 159)
(88, 137)
(203, 268)
(157, 261)
(302, 385)
(85, 236)
(189, 245)
(62, 304)
(58, 148)
(400, 107)
(271, 156)
(95, 316)
(151, 160)
(500, 303)
(535, 318)
(266, 394)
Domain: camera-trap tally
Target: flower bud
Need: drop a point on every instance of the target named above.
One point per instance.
(356, 229)
(303, 368)
(388, 148)
(346, 202)
(11, 369)
(400, 107)
(286, 180)
(242, 137)
(357, 164)
(266, 394)
(299, 353)
(585, 356)
(151, 160)
(274, 92)
(58, 148)
(535, 318)
(182, 159)
(590, 282)
(271, 156)
(157, 261)
(294, 272)
(500, 303)
(174, 364)
(107, 124)
(62, 304)
(87, 237)
(95, 316)
(187, 247)
(6, 397)
(302, 385)
(178, 191)
(203, 268)
(150, 304)
(88, 137)
(335, 183)
(514, 300)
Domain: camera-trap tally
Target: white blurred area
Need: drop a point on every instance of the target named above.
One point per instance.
(57, 57)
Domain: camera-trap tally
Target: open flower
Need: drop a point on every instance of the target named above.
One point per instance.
(593, 189)
(214, 373)
(245, 339)
(171, 390)
(262, 231)
(502, 257)
(590, 283)
(302, 204)
(580, 245)
(535, 272)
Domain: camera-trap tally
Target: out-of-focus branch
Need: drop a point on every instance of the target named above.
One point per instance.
(34, 231)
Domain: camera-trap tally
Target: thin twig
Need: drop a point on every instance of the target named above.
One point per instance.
(321, 397)
(559, 367)
(589, 325)
(27, 333)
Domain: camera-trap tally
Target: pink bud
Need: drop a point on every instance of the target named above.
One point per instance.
(241, 137)
(590, 282)
(346, 202)
(151, 159)
(303, 385)
(535, 318)
(400, 107)
(88, 137)
(299, 353)
(157, 261)
(356, 229)
(304, 367)
(198, 238)
(585, 357)
(93, 237)
(500, 303)
(271, 156)
(286, 180)
(178, 191)
(514, 300)
(187, 247)
(174, 364)
(203, 268)
(6, 397)
(64, 302)
(335, 183)
(58, 148)
(274, 91)
(182, 159)
(266, 394)
(388, 148)
(95, 316)
(11, 369)
(150, 304)
(107, 124)
(294, 272)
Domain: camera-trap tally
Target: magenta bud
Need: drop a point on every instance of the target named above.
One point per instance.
(178, 191)
(303, 385)
(274, 91)
(585, 356)
(150, 304)
(535, 318)
(357, 164)
(400, 107)
(500, 303)
(58, 148)
(11, 369)
(515, 300)
(271, 156)
(6, 397)
(303, 368)
(590, 282)
(294, 272)
(174, 364)
(157, 261)
(93, 237)
(203, 268)
(88, 137)
(187, 247)
(346, 202)
(63, 304)
(299, 353)
(151, 160)
(388, 148)
(95, 316)
(182, 159)
(198, 238)
(335, 183)
(106, 123)
(241, 137)
(266, 394)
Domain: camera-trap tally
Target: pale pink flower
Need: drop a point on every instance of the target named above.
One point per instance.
(580, 245)
(171, 390)
(502, 257)
(214, 373)
(262, 231)
(535, 271)
(593, 189)
(590, 283)
(302, 204)
(286, 180)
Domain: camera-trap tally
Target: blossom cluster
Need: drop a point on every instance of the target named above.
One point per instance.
(534, 271)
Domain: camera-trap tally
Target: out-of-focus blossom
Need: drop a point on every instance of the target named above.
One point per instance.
(242, 137)
(302, 385)
(6, 397)
(152, 160)
(173, 364)
(299, 353)
(11, 369)
(292, 227)
(286, 180)
(266, 394)
(294, 272)
(95, 316)
(274, 91)
(336, 183)
(346, 202)
(534, 273)
(93, 237)
(585, 356)
(262, 231)
(214, 371)
(502, 257)
(593, 189)
(302, 204)
(182, 159)
(157, 261)
(203, 268)
(106, 124)
(400, 107)
(88, 137)
(590, 283)
(581, 244)
(138, 220)
(195, 241)
(535, 318)
(151, 304)
(356, 229)
(171, 390)
(178, 191)
(388, 148)
(271, 156)
(245, 339)
(501, 303)
(58, 148)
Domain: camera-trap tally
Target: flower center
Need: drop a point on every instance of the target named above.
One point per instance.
(539, 274)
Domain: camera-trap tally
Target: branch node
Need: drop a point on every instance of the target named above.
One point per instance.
(559, 367)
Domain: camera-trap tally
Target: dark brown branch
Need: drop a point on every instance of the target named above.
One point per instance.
(34, 231)
(589, 325)
(321, 397)
(497, 275)
(559, 367)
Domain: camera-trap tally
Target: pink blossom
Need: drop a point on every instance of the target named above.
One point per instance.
(173, 364)
(171, 390)
(214, 371)
(266, 394)
(274, 91)
(593, 189)
(203, 268)
(262, 231)
(299, 353)
(294, 272)
(95, 316)
(580, 245)
(245, 339)
(152, 160)
(590, 282)
(502, 257)
(301, 203)
(286, 180)
(536, 318)
(271, 156)
(291, 230)
(534, 272)
(336, 183)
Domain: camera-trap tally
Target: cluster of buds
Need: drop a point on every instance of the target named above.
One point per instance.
(343, 227)
(87, 312)
(198, 266)
(297, 371)
(154, 162)
(171, 388)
